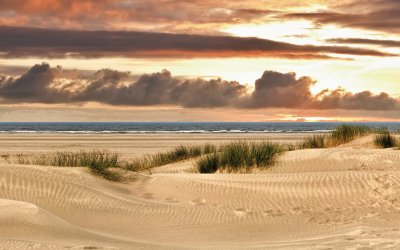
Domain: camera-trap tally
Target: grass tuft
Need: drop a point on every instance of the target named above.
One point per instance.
(264, 153)
(240, 156)
(314, 141)
(179, 153)
(209, 148)
(385, 140)
(99, 162)
(346, 133)
(104, 171)
(236, 155)
(208, 164)
(103, 159)
(290, 147)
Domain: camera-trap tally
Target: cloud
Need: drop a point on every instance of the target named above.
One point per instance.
(43, 84)
(160, 89)
(117, 14)
(379, 15)
(341, 99)
(196, 16)
(380, 42)
(275, 89)
(33, 86)
(178, 16)
(44, 43)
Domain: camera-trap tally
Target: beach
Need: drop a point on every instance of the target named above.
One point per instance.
(177, 124)
(329, 198)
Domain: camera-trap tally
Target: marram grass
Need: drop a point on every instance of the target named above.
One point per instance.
(314, 141)
(208, 164)
(99, 162)
(346, 133)
(179, 153)
(240, 156)
(340, 135)
(385, 140)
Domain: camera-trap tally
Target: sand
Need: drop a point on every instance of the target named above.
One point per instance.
(343, 197)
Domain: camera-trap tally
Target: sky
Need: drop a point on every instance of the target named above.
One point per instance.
(199, 60)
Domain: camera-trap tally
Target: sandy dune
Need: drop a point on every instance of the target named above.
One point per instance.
(344, 197)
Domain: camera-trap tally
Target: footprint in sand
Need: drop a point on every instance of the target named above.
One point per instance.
(241, 212)
(296, 210)
(385, 194)
(148, 196)
(173, 200)
(371, 215)
(90, 247)
(273, 213)
(200, 201)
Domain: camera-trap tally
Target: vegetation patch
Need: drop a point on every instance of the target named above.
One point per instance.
(346, 133)
(106, 172)
(102, 163)
(385, 140)
(240, 156)
(314, 141)
(340, 135)
(209, 164)
(179, 153)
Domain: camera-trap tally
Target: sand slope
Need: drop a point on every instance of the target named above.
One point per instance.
(326, 198)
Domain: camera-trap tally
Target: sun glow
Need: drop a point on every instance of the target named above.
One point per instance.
(305, 32)
(292, 31)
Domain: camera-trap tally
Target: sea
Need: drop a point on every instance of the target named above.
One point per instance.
(179, 127)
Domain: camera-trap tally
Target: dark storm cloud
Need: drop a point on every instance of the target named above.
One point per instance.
(160, 89)
(33, 86)
(366, 100)
(275, 89)
(43, 84)
(28, 42)
(116, 88)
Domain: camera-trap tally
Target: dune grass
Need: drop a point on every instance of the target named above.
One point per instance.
(346, 133)
(99, 162)
(209, 148)
(236, 154)
(385, 140)
(179, 153)
(102, 159)
(340, 135)
(290, 147)
(314, 141)
(105, 171)
(6, 157)
(240, 156)
(208, 164)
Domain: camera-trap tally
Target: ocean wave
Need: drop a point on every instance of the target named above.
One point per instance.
(175, 127)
